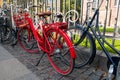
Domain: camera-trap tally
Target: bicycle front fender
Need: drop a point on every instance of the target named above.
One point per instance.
(69, 43)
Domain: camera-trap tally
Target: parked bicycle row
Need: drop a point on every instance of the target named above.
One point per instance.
(50, 38)
(68, 44)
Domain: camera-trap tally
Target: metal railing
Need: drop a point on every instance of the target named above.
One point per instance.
(52, 5)
(61, 6)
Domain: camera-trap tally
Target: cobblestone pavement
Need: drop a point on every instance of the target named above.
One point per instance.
(46, 72)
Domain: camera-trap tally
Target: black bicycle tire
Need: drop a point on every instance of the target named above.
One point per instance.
(23, 43)
(6, 39)
(92, 49)
(118, 71)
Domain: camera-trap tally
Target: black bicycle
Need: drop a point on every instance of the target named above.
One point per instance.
(86, 49)
(88, 32)
(5, 27)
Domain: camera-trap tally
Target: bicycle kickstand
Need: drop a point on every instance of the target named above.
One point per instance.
(40, 59)
(110, 72)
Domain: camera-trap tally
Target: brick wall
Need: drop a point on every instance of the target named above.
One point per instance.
(110, 17)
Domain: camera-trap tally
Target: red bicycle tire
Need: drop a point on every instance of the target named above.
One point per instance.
(22, 44)
(54, 44)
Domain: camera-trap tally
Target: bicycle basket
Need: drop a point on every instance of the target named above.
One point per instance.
(20, 21)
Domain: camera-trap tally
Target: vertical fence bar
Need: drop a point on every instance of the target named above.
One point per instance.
(42, 8)
(52, 9)
(110, 12)
(105, 21)
(37, 4)
(69, 4)
(75, 4)
(36, 10)
(41, 5)
(81, 12)
(56, 6)
(74, 9)
(11, 16)
(45, 5)
(116, 20)
(27, 3)
(97, 17)
(69, 13)
(15, 3)
(61, 5)
(64, 9)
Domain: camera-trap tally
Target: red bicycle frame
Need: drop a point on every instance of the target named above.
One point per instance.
(42, 40)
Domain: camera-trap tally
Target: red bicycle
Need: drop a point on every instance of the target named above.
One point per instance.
(28, 43)
(52, 40)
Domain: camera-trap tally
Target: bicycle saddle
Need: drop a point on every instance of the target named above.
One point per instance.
(44, 14)
(59, 15)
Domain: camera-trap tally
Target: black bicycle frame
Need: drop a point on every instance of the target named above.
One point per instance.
(99, 37)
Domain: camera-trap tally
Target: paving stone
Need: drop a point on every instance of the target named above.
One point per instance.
(99, 72)
(11, 69)
(56, 76)
(81, 77)
(42, 75)
(44, 71)
(29, 76)
(4, 54)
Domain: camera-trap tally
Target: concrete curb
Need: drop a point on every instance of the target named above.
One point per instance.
(101, 60)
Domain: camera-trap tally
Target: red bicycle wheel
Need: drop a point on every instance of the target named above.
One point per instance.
(27, 41)
(62, 51)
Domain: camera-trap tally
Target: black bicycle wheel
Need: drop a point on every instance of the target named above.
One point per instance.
(6, 35)
(85, 50)
(27, 41)
(61, 51)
